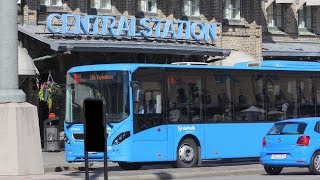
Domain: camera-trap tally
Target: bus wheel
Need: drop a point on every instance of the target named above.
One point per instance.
(130, 166)
(273, 170)
(187, 155)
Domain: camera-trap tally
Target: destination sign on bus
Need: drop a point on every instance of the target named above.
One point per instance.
(148, 27)
(85, 77)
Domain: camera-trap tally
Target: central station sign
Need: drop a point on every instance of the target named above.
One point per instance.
(146, 27)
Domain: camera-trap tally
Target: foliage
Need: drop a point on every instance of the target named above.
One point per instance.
(49, 91)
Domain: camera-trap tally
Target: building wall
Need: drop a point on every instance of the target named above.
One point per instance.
(229, 36)
(290, 30)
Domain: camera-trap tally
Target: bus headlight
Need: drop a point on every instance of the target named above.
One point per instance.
(121, 137)
(65, 138)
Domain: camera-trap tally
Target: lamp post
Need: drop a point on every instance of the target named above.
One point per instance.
(20, 152)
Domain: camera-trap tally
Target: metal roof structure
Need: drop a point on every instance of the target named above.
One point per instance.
(291, 49)
(122, 44)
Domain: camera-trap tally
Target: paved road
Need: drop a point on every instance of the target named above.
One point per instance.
(218, 170)
(54, 162)
(287, 176)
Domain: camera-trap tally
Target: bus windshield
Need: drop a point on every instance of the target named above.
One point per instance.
(111, 86)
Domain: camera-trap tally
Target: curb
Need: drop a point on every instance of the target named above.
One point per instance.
(184, 175)
(200, 172)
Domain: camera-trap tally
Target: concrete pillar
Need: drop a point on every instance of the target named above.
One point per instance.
(9, 91)
(20, 152)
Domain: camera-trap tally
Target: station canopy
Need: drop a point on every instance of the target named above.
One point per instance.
(64, 43)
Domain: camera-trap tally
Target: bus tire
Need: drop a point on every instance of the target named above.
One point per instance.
(314, 167)
(187, 154)
(130, 166)
(271, 170)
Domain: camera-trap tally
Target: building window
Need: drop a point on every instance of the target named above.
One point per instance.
(191, 7)
(51, 2)
(275, 15)
(100, 4)
(149, 6)
(232, 10)
(305, 17)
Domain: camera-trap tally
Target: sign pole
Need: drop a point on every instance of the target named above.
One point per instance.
(86, 160)
(86, 164)
(95, 132)
(105, 153)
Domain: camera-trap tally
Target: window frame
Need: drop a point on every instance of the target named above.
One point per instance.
(231, 6)
(191, 4)
(305, 17)
(100, 8)
(146, 6)
(276, 11)
(50, 3)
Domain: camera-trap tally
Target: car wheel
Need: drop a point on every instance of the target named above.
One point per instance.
(314, 167)
(130, 166)
(273, 170)
(187, 154)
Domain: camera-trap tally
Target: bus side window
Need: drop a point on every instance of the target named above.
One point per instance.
(149, 109)
(218, 106)
(185, 97)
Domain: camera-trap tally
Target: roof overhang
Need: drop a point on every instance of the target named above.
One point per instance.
(291, 49)
(92, 44)
(312, 3)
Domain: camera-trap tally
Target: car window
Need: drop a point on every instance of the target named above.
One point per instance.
(317, 127)
(287, 128)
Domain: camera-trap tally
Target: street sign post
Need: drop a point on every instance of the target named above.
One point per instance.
(95, 132)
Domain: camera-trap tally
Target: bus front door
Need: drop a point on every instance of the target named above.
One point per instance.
(150, 139)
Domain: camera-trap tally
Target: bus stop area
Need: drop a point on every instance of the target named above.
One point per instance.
(54, 163)
(56, 167)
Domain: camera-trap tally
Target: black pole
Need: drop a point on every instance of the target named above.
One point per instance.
(86, 164)
(105, 154)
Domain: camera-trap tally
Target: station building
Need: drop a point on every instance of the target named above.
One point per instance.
(60, 34)
(291, 30)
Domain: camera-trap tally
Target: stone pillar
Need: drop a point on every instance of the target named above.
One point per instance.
(9, 91)
(20, 152)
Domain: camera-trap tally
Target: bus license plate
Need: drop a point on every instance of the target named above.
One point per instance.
(278, 156)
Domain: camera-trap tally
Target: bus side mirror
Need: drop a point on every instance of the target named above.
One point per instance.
(136, 91)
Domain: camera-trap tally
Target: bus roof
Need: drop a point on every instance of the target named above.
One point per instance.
(263, 65)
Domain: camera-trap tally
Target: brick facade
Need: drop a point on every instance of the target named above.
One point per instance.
(230, 36)
(248, 34)
(290, 26)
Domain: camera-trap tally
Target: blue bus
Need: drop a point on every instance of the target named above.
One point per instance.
(186, 114)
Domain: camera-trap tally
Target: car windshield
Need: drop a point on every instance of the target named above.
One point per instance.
(288, 128)
(111, 86)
